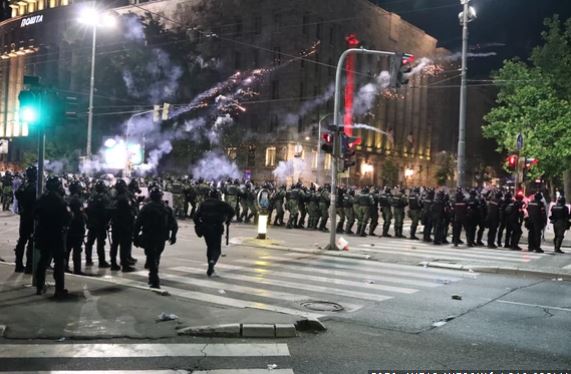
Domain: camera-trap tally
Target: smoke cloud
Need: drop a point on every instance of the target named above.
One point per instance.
(215, 166)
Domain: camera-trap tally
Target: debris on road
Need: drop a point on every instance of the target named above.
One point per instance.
(167, 317)
(221, 292)
(456, 297)
(272, 366)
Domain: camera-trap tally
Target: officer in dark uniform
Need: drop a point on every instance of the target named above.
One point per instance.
(341, 192)
(155, 225)
(482, 210)
(399, 203)
(324, 202)
(97, 223)
(209, 220)
(414, 211)
(122, 222)
(472, 219)
(374, 212)
(504, 224)
(278, 205)
(76, 231)
(26, 196)
(514, 216)
(535, 223)
(493, 218)
(427, 215)
(385, 201)
(438, 211)
(560, 218)
(53, 219)
(460, 211)
(348, 203)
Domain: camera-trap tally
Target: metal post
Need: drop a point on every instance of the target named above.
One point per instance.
(91, 90)
(336, 142)
(39, 179)
(462, 122)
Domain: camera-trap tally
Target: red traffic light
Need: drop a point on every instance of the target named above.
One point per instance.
(327, 138)
(512, 161)
(408, 58)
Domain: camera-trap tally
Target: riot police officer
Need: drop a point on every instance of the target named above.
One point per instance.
(278, 205)
(97, 224)
(76, 231)
(399, 203)
(209, 220)
(460, 210)
(52, 220)
(324, 202)
(427, 215)
(26, 196)
(374, 212)
(560, 218)
(363, 202)
(386, 210)
(514, 216)
(414, 211)
(341, 192)
(493, 218)
(122, 222)
(535, 223)
(292, 202)
(348, 203)
(155, 225)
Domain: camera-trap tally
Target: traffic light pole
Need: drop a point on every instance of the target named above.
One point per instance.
(463, 101)
(40, 177)
(336, 139)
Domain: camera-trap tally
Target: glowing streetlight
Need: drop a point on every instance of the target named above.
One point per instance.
(408, 172)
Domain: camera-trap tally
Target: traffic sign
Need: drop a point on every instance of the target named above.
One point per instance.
(519, 142)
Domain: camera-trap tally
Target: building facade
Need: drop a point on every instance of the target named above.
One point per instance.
(402, 131)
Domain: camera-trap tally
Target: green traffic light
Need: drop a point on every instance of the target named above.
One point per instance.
(29, 114)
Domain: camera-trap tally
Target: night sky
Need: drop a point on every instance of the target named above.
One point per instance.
(508, 27)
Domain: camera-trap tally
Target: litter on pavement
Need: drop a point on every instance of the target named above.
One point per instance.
(167, 317)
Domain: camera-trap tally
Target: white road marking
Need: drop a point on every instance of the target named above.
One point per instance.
(286, 284)
(213, 299)
(366, 267)
(334, 272)
(535, 305)
(436, 254)
(141, 350)
(210, 283)
(152, 371)
(328, 280)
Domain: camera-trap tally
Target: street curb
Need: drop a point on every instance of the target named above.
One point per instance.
(444, 265)
(515, 271)
(242, 330)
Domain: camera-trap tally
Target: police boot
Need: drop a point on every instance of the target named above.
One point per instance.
(114, 265)
(361, 231)
(210, 270)
(372, 230)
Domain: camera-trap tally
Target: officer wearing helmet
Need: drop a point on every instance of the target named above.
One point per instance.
(209, 222)
(53, 219)
(76, 230)
(560, 218)
(122, 222)
(26, 197)
(535, 222)
(97, 223)
(155, 225)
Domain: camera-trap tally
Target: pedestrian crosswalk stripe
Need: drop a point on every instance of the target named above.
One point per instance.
(142, 350)
(436, 253)
(152, 371)
(414, 271)
(328, 280)
(339, 273)
(497, 253)
(377, 265)
(210, 283)
(214, 299)
(288, 284)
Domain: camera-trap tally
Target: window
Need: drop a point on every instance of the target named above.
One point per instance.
(327, 162)
(275, 89)
(314, 156)
(300, 124)
(237, 58)
(238, 27)
(305, 24)
(251, 155)
(257, 24)
(232, 153)
(273, 122)
(271, 156)
(277, 22)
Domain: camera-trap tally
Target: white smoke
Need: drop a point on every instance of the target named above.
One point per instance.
(458, 55)
(290, 169)
(367, 95)
(309, 106)
(215, 166)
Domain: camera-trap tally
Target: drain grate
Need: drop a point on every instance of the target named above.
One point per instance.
(323, 306)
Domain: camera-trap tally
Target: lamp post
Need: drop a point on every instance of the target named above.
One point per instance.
(466, 16)
(92, 17)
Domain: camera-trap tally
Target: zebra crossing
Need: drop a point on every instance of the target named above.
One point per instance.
(45, 355)
(419, 249)
(282, 282)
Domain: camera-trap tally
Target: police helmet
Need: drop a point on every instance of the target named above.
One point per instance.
(365, 190)
(561, 200)
(53, 184)
(121, 185)
(214, 194)
(156, 194)
(100, 186)
(74, 188)
(31, 173)
(538, 196)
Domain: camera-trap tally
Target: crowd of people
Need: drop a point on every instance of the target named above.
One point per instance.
(77, 213)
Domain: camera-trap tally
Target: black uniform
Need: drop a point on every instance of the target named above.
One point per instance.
(427, 216)
(52, 220)
(460, 211)
(493, 219)
(514, 218)
(472, 219)
(536, 222)
(209, 220)
(97, 223)
(75, 233)
(414, 212)
(26, 196)
(560, 217)
(155, 225)
(438, 211)
(122, 224)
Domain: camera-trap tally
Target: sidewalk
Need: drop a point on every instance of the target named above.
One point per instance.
(100, 309)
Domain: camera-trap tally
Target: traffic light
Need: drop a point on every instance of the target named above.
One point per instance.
(401, 66)
(530, 162)
(348, 144)
(29, 107)
(327, 145)
(512, 162)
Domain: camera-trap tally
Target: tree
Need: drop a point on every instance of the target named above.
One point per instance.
(445, 171)
(533, 99)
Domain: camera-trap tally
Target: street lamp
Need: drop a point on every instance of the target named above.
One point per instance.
(93, 17)
(466, 16)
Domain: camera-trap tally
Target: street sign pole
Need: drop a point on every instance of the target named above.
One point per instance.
(336, 139)
(40, 178)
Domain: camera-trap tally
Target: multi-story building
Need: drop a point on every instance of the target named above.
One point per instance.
(281, 126)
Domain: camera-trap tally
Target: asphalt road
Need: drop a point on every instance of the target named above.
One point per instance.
(396, 315)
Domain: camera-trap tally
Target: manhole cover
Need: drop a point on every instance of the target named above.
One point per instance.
(322, 306)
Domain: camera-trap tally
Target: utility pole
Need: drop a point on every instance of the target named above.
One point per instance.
(336, 138)
(91, 92)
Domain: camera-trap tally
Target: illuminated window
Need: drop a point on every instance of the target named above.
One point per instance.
(314, 156)
(53, 3)
(232, 153)
(64, 2)
(270, 156)
(327, 162)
